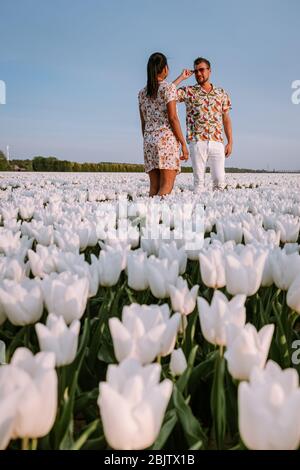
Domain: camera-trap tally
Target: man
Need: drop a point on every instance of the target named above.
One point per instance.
(207, 112)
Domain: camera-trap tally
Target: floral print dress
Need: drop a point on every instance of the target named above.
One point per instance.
(161, 148)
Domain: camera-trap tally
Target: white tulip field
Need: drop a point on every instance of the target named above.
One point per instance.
(129, 322)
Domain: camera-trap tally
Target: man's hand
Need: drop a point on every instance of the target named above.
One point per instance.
(228, 150)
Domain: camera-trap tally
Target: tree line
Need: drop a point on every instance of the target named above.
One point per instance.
(41, 163)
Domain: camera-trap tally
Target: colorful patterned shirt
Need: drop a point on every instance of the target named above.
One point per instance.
(204, 112)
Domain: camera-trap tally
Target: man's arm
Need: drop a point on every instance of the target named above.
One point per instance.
(228, 132)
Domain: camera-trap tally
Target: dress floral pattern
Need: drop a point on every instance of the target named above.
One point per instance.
(161, 149)
(204, 112)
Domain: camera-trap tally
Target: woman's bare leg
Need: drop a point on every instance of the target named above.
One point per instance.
(167, 178)
(154, 176)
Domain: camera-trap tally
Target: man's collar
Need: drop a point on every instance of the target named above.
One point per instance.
(207, 92)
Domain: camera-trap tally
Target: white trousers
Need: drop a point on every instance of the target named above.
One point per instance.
(213, 152)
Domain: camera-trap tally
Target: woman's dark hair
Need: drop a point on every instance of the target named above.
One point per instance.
(156, 64)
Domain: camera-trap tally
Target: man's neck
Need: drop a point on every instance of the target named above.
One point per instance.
(207, 87)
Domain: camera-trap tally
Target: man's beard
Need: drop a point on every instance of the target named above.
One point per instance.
(202, 81)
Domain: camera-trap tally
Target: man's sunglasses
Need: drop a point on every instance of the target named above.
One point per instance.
(200, 70)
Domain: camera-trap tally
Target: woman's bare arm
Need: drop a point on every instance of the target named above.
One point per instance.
(176, 127)
(142, 121)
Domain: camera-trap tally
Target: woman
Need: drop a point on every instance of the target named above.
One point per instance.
(160, 127)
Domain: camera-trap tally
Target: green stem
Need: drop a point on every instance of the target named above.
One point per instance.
(25, 443)
(34, 444)
(183, 327)
(218, 401)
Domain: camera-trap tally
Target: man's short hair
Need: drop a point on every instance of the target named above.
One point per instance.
(201, 59)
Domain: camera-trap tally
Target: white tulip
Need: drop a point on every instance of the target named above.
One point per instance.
(193, 243)
(87, 234)
(215, 318)
(122, 249)
(146, 331)
(12, 268)
(258, 234)
(161, 273)
(9, 242)
(76, 264)
(182, 298)
(136, 270)
(43, 260)
(58, 338)
(66, 295)
(26, 208)
(269, 409)
(178, 362)
(244, 271)
(289, 229)
(8, 406)
(67, 240)
(229, 231)
(109, 267)
(33, 381)
(171, 253)
(132, 404)
(293, 295)
(212, 267)
(285, 268)
(22, 302)
(247, 348)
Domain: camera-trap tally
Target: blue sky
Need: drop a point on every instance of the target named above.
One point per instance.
(73, 69)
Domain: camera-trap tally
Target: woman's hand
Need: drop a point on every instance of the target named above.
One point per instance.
(186, 73)
(184, 152)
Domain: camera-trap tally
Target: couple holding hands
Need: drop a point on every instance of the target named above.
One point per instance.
(207, 113)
